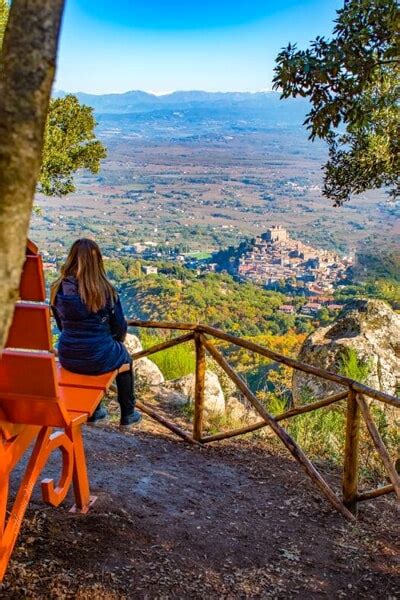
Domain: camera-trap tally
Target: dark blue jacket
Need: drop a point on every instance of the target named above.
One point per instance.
(90, 343)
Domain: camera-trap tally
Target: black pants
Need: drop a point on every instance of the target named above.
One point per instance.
(126, 396)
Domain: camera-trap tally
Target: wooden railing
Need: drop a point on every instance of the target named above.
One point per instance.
(354, 392)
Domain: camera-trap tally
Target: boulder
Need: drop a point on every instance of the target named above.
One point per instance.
(240, 412)
(227, 385)
(163, 393)
(146, 372)
(372, 329)
(214, 401)
(133, 343)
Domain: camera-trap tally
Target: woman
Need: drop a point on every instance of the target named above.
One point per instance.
(89, 315)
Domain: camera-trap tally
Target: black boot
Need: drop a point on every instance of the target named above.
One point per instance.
(126, 399)
(130, 421)
(99, 414)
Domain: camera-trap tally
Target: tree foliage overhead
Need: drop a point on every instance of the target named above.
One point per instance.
(353, 83)
(70, 142)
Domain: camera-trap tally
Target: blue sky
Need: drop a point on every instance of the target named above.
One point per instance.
(166, 45)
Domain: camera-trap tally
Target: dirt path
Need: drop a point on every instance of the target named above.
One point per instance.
(229, 521)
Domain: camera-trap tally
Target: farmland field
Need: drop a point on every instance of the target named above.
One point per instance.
(201, 178)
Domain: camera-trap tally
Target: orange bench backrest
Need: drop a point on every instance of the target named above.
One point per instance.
(31, 248)
(32, 286)
(28, 382)
(30, 327)
(28, 389)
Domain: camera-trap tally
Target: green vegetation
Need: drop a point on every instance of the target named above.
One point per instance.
(373, 276)
(178, 294)
(200, 255)
(116, 270)
(378, 265)
(244, 309)
(3, 19)
(351, 366)
(174, 362)
(321, 433)
(70, 143)
(352, 80)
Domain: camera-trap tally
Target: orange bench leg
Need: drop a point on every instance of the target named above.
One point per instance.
(11, 528)
(83, 498)
(4, 482)
(46, 443)
(52, 494)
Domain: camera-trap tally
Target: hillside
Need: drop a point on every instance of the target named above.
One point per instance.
(217, 300)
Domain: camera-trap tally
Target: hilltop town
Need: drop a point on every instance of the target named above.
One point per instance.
(274, 257)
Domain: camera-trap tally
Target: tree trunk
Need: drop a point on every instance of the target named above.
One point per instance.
(26, 76)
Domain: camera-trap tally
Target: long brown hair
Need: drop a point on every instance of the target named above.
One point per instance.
(85, 263)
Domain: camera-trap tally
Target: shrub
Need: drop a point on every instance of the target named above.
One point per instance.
(174, 362)
(322, 433)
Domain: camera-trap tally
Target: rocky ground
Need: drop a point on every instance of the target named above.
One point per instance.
(236, 520)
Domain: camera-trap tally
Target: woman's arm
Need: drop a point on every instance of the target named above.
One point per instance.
(118, 324)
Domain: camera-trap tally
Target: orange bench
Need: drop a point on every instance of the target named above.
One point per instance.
(38, 396)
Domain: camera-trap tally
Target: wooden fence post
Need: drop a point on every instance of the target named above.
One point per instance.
(351, 452)
(379, 445)
(290, 444)
(199, 388)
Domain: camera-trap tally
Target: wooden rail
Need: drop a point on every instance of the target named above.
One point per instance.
(293, 412)
(354, 392)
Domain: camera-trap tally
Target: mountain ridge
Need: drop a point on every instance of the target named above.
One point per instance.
(175, 94)
(138, 100)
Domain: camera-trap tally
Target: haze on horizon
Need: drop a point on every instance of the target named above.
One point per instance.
(160, 47)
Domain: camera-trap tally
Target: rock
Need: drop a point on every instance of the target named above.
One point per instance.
(372, 329)
(227, 385)
(146, 372)
(180, 392)
(165, 394)
(241, 413)
(132, 343)
(214, 400)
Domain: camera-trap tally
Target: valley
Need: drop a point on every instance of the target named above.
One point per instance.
(202, 175)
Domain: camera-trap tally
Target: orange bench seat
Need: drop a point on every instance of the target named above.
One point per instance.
(82, 393)
(98, 382)
(83, 400)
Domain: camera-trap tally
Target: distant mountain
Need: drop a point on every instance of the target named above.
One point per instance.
(137, 102)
